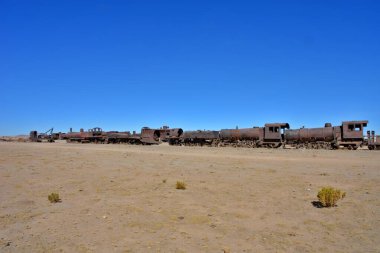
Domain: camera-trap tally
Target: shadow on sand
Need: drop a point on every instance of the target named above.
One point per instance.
(317, 204)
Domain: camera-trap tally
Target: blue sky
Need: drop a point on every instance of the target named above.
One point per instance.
(121, 65)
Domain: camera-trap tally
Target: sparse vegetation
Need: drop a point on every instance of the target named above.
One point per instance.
(180, 185)
(54, 198)
(164, 181)
(328, 196)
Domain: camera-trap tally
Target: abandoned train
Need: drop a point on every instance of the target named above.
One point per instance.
(273, 135)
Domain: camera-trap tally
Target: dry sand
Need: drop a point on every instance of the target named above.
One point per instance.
(115, 199)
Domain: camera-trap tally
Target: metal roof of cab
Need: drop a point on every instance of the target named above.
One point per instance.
(282, 125)
(364, 122)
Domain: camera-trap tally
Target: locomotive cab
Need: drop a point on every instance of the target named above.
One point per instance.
(353, 130)
(351, 134)
(274, 133)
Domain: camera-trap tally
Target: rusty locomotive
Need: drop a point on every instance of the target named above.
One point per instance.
(348, 135)
(272, 135)
(268, 136)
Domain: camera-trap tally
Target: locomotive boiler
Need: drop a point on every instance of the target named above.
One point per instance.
(199, 138)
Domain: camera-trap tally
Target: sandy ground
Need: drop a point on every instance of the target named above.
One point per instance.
(120, 198)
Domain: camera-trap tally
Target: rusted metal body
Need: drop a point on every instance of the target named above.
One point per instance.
(348, 135)
(373, 140)
(94, 135)
(244, 137)
(173, 136)
(163, 134)
(310, 134)
(255, 133)
(268, 136)
(122, 137)
(200, 138)
(167, 133)
(353, 130)
(150, 136)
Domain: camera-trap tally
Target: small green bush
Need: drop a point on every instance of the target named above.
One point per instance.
(180, 185)
(54, 198)
(328, 196)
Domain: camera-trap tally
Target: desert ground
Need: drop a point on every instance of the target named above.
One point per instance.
(123, 198)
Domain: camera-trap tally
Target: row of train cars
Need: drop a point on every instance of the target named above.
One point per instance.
(348, 135)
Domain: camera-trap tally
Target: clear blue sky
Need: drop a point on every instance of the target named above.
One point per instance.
(121, 65)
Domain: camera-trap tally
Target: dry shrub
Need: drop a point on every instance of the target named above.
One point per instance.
(180, 185)
(328, 196)
(54, 198)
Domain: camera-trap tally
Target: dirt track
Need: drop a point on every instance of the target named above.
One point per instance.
(119, 198)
